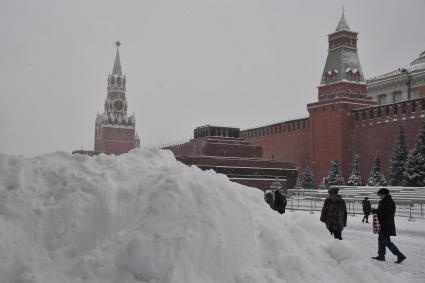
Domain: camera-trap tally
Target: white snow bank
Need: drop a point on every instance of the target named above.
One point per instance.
(144, 217)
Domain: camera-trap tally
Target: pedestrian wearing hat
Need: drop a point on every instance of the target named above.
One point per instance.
(334, 213)
(385, 212)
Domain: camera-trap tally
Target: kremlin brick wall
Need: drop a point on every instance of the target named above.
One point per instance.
(376, 129)
(338, 133)
(287, 141)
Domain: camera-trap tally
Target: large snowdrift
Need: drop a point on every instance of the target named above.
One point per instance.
(144, 217)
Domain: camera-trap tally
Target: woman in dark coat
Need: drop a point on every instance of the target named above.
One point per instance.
(367, 208)
(334, 213)
(385, 213)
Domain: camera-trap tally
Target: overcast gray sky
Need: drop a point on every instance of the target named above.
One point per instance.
(188, 63)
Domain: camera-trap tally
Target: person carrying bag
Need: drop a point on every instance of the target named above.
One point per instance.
(375, 224)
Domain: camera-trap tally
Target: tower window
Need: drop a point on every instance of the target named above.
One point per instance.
(331, 76)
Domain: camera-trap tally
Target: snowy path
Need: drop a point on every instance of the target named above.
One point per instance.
(410, 240)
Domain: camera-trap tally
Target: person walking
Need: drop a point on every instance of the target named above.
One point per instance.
(280, 201)
(334, 213)
(385, 212)
(367, 208)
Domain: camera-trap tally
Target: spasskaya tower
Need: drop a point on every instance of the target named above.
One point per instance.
(115, 131)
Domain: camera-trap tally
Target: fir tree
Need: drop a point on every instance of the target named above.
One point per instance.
(334, 175)
(355, 178)
(414, 174)
(376, 178)
(308, 179)
(398, 160)
(420, 140)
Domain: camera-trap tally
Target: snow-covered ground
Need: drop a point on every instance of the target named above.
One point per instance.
(144, 217)
(410, 240)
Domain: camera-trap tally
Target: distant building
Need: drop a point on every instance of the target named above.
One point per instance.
(399, 85)
(115, 131)
(222, 150)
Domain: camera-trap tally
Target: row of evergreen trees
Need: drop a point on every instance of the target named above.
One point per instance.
(407, 168)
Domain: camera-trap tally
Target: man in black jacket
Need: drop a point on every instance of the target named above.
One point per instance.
(385, 213)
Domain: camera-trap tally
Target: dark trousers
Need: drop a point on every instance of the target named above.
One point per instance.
(366, 217)
(385, 241)
(337, 234)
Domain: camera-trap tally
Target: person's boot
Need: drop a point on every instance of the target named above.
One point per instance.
(379, 257)
(400, 258)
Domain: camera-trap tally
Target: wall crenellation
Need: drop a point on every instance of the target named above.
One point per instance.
(283, 128)
(384, 113)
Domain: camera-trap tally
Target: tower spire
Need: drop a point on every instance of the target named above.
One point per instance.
(342, 63)
(117, 64)
(342, 25)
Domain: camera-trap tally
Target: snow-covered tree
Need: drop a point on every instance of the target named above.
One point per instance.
(398, 160)
(414, 174)
(334, 174)
(308, 179)
(377, 177)
(355, 178)
(420, 140)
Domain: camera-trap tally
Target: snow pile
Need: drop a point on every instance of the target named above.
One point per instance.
(144, 217)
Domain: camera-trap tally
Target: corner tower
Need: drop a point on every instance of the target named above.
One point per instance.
(342, 88)
(342, 74)
(115, 131)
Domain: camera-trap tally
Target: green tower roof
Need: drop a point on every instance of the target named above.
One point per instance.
(342, 63)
